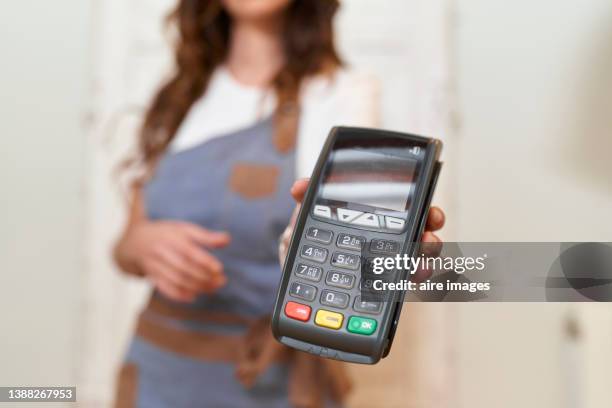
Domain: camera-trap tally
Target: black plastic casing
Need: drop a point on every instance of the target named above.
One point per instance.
(340, 344)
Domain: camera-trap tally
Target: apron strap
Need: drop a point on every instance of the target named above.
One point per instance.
(312, 379)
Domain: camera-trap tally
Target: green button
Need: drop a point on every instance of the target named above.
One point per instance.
(361, 325)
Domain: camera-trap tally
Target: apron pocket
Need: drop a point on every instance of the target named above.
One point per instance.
(254, 181)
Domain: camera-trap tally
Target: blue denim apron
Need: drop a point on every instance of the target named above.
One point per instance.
(238, 183)
(218, 351)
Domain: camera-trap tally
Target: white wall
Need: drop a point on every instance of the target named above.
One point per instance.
(535, 98)
(535, 84)
(130, 58)
(43, 78)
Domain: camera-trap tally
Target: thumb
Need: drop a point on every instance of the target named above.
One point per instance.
(299, 189)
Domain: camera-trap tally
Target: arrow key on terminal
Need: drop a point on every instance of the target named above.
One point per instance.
(367, 220)
(346, 215)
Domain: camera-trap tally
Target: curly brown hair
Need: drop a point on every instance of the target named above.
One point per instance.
(203, 28)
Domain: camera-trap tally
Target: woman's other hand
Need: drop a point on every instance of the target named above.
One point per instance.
(172, 255)
(435, 221)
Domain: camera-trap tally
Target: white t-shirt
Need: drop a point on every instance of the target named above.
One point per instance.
(347, 99)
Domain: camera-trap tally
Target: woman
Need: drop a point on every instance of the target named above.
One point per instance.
(258, 84)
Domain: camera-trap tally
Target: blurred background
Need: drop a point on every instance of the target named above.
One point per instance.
(519, 91)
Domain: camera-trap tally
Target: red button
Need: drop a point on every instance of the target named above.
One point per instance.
(297, 311)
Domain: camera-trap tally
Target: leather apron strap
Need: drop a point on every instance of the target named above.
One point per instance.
(312, 379)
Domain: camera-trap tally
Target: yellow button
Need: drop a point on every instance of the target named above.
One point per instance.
(329, 319)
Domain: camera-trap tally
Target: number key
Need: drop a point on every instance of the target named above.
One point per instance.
(312, 273)
(319, 235)
(346, 261)
(335, 299)
(384, 247)
(347, 241)
(314, 253)
(340, 280)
